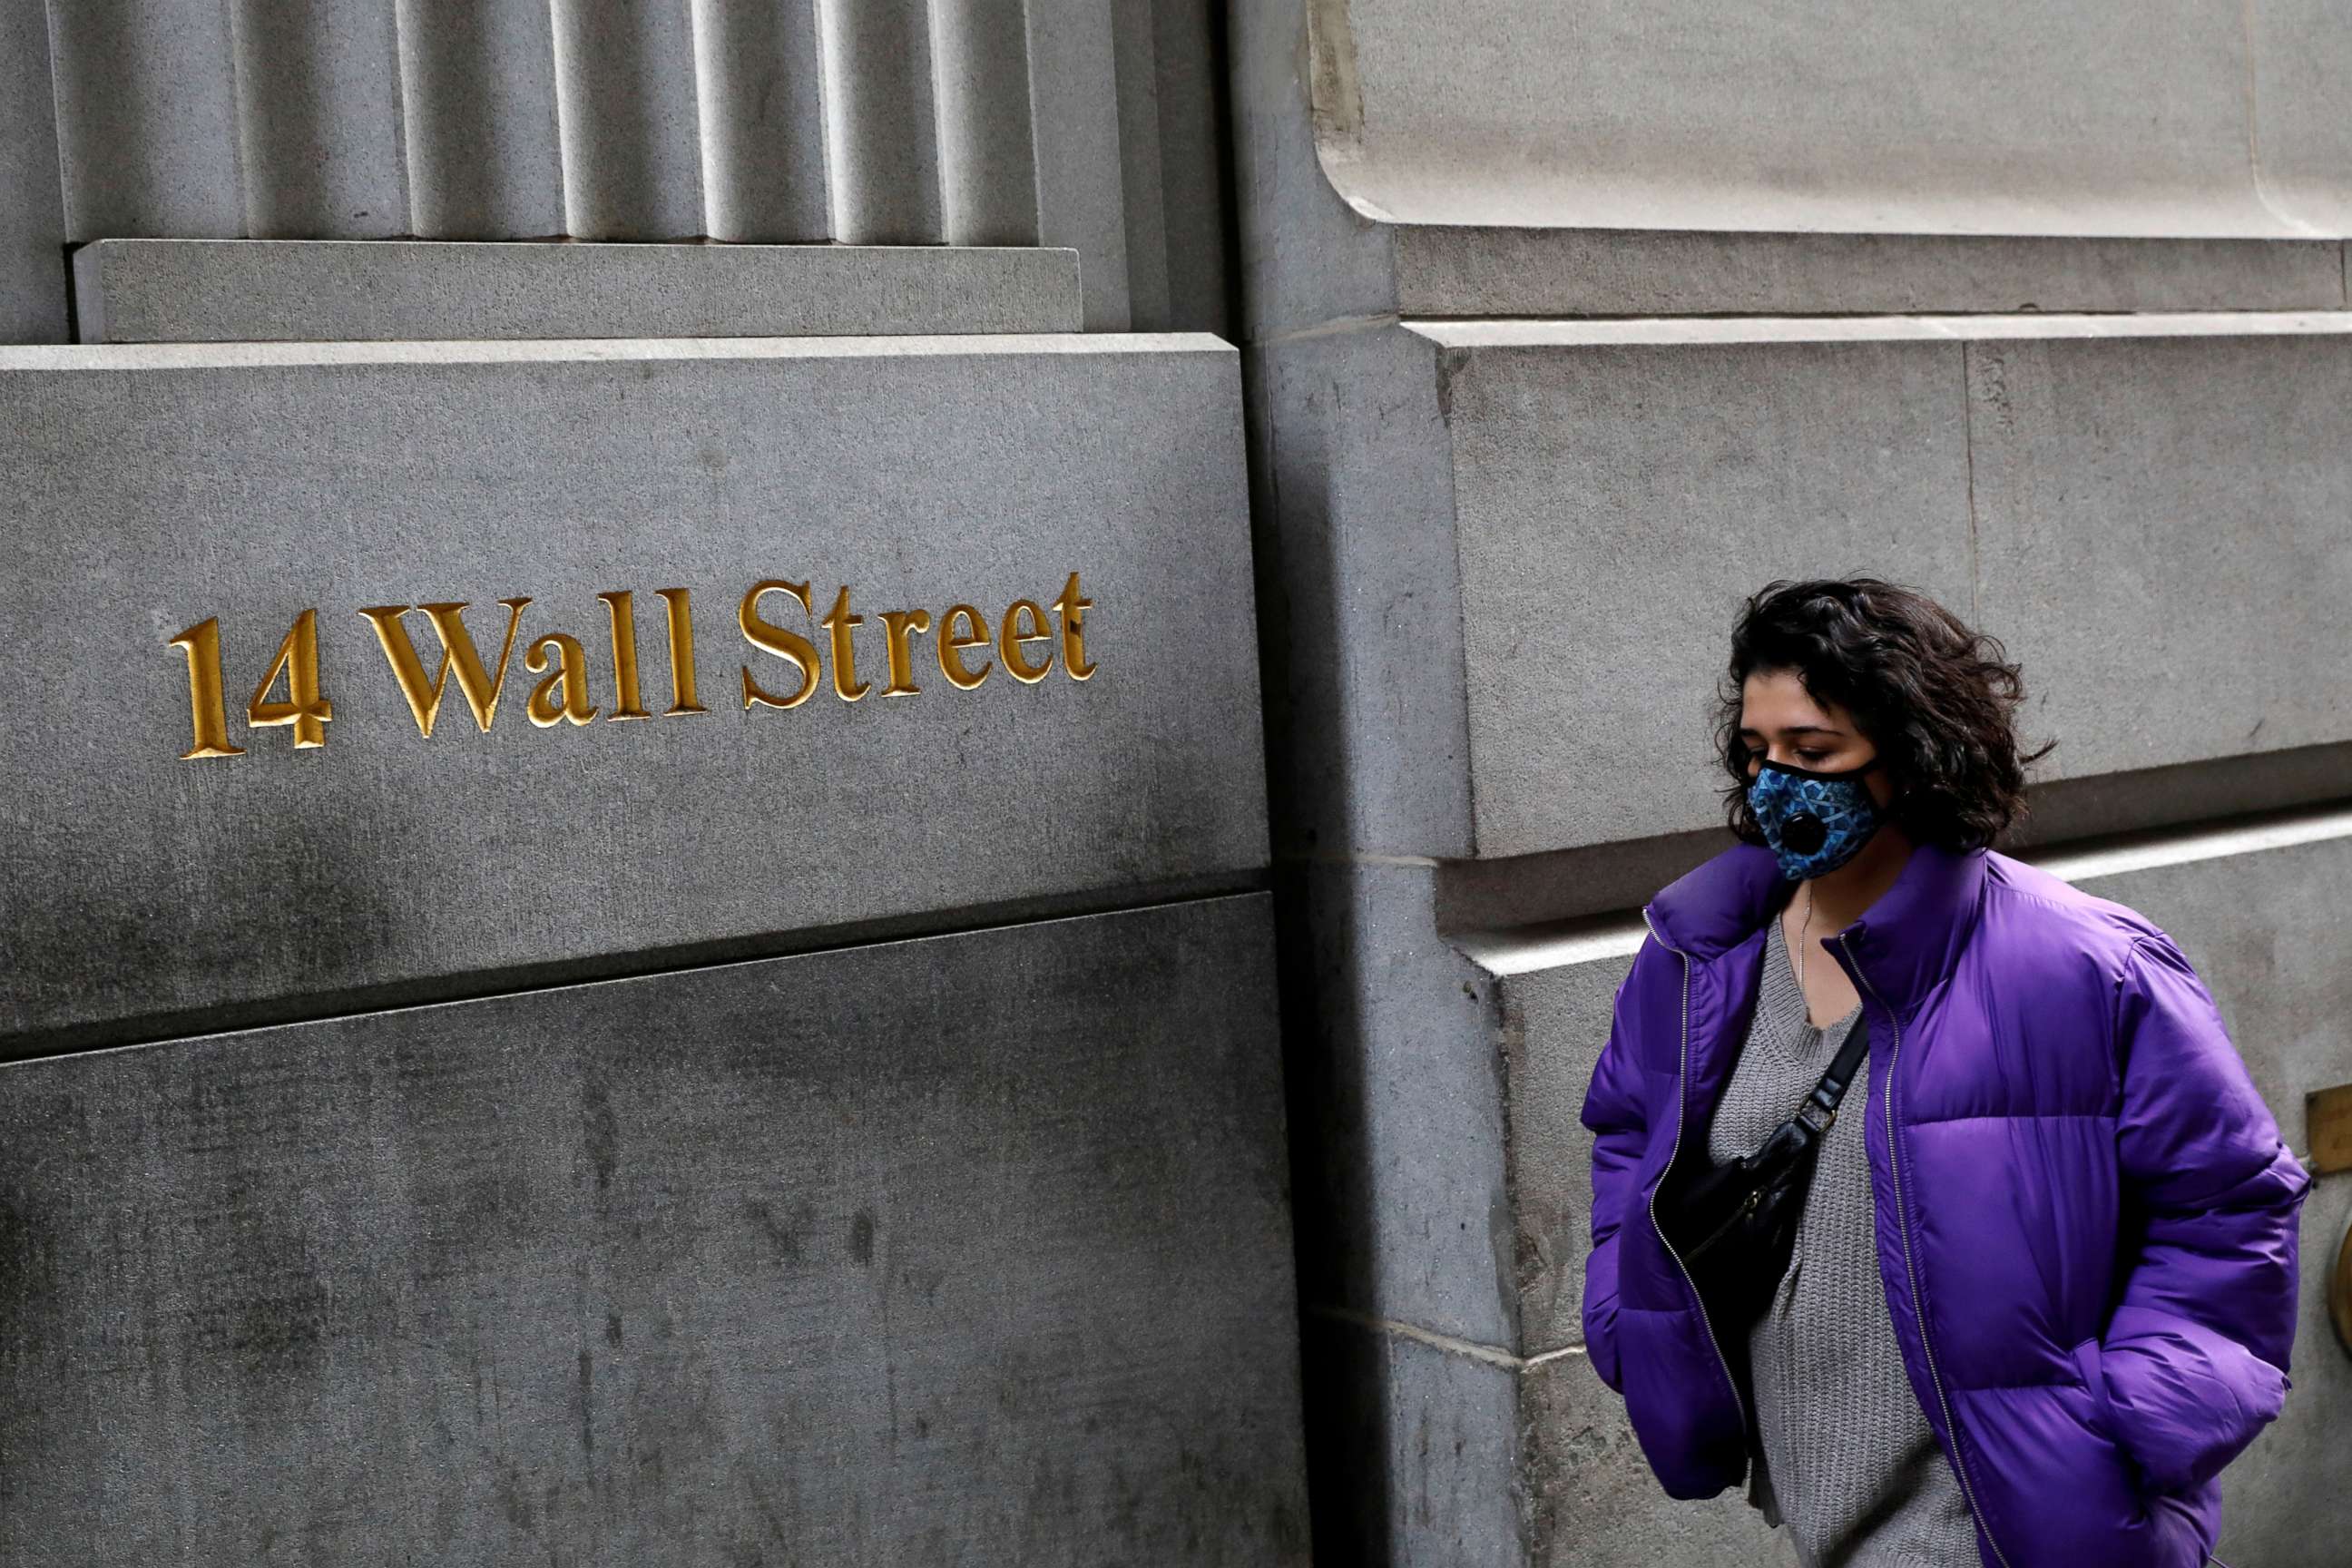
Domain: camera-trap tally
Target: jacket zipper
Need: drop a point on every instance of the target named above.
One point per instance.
(1910, 1271)
(1682, 1092)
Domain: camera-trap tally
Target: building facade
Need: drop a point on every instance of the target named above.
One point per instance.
(681, 706)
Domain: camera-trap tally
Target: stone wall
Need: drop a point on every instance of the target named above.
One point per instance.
(717, 997)
(1568, 328)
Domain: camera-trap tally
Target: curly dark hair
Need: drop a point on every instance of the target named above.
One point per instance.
(1937, 699)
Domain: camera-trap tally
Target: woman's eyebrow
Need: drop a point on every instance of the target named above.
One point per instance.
(1795, 729)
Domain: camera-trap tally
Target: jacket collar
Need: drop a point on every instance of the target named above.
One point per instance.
(1903, 947)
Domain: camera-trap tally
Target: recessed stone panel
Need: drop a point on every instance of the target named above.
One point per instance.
(151, 492)
(967, 1248)
(1612, 491)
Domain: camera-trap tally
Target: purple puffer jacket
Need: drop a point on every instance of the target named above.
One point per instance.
(2085, 1218)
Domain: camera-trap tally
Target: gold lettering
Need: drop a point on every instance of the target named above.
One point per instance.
(480, 688)
(304, 708)
(569, 672)
(952, 643)
(681, 653)
(1072, 612)
(896, 625)
(624, 656)
(841, 623)
(201, 643)
(1010, 640)
(781, 641)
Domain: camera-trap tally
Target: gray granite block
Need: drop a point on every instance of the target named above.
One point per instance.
(133, 291)
(1613, 507)
(148, 490)
(1411, 1452)
(1360, 596)
(972, 1249)
(2162, 539)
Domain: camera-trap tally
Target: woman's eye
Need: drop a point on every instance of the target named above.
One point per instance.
(1810, 756)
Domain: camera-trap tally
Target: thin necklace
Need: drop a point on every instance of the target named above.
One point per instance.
(1806, 932)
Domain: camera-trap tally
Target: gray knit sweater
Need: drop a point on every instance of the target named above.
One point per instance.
(1848, 1462)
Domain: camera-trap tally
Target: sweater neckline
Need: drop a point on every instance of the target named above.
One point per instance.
(1782, 1002)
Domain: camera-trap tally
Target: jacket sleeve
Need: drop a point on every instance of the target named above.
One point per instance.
(2194, 1360)
(1614, 1113)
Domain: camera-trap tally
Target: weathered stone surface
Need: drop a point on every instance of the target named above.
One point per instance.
(1404, 1151)
(1443, 1455)
(1415, 1454)
(155, 290)
(32, 203)
(1361, 591)
(147, 490)
(1563, 517)
(970, 1248)
(1593, 1502)
(1078, 124)
(2108, 118)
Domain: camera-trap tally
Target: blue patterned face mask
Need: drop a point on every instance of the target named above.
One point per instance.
(1815, 822)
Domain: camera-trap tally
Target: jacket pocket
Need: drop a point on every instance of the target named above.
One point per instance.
(2180, 1399)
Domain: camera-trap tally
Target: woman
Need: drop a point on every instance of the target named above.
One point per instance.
(2043, 1282)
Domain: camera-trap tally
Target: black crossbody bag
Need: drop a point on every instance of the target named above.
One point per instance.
(1735, 1224)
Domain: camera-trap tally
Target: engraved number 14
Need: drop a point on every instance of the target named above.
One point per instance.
(296, 661)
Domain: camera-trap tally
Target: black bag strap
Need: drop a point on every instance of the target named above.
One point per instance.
(1820, 1106)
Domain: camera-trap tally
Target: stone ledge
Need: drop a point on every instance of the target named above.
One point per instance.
(246, 290)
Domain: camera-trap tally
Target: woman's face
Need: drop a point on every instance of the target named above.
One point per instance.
(1778, 719)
